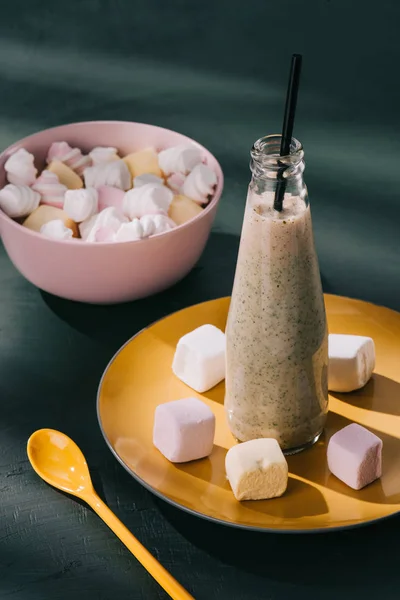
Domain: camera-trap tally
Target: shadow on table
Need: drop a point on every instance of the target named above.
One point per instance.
(337, 558)
(211, 278)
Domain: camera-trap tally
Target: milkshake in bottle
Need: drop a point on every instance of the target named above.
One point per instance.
(277, 346)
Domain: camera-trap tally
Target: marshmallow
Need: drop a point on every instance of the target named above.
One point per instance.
(72, 157)
(161, 223)
(147, 199)
(143, 161)
(81, 204)
(109, 218)
(148, 225)
(52, 192)
(199, 359)
(129, 232)
(104, 234)
(355, 456)
(351, 362)
(66, 175)
(44, 213)
(20, 168)
(102, 154)
(114, 173)
(179, 159)
(18, 200)
(146, 178)
(184, 430)
(110, 196)
(200, 184)
(257, 470)
(175, 182)
(56, 230)
(183, 209)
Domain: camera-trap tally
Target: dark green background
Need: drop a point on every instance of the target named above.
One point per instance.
(216, 71)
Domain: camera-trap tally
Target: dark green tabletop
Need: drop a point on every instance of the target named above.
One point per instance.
(217, 71)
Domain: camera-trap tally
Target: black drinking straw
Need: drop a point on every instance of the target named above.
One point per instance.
(288, 123)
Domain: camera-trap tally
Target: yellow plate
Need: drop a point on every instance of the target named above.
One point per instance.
(139, 377)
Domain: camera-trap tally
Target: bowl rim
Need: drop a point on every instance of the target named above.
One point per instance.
(214, 201)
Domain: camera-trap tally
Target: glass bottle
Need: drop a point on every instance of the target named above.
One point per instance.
(277, 340)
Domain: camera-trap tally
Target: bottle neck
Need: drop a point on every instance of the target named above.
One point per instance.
(267, 166)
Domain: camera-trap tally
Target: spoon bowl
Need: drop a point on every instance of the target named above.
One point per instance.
(59, 461)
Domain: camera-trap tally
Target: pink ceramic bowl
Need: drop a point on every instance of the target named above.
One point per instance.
(105, 273)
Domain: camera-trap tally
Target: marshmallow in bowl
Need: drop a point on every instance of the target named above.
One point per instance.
(154, 224)
(175, 182)
(81, 204)
(20, 168)
(45, 213)
(129, 232)
(200, 184)
(18, 200)
(114, 173)
(56, 230)
(52, 192)
(143, 161)
(146, 178)
(72, 157)
(102, 154)
(148, 225)
(179, 159)
(110, 196)
(183, 209)
(147, 199)
(104, 234)
(161, 223)
(66, 175)
(109, 219)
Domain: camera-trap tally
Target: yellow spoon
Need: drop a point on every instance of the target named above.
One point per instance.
(59, 461)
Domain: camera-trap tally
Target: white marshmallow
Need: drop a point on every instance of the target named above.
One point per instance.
(156, 224)
(56, 230)
(147, 199)
(257, 470)
(72, 157)
(18, 200)
(148, 225)
(108, 219)
(102, 154)
(200, 184)
(146, 178)
(81, 204)
(52, 192)
(129, 232)
(179, 159)
(351, 362)
(20, 168)
(184, 430)
(114, 173)
(199, 359)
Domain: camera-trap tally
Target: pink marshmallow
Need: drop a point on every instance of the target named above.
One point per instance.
(176, 181)
(184, 430)
(72, 157)
(104, 234)
(52, 192)
(110, 196)
(355, 456)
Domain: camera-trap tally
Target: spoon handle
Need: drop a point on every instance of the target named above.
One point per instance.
(156, 570)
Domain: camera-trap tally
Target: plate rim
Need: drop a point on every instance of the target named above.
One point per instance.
(164, 498)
